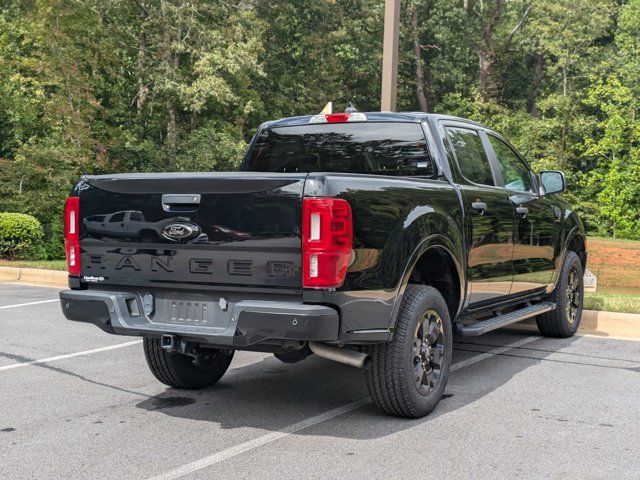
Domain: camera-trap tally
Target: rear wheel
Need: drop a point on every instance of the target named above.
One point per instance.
(407, 376)
(183, 371)
(568, 296)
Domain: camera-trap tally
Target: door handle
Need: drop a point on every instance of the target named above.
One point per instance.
(522, 211)
(181, 202)
(480, 206)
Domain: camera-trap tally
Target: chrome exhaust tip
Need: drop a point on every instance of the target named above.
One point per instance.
(340, 355)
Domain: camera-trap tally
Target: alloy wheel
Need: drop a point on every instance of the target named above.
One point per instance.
(428, 352)
(573, 295)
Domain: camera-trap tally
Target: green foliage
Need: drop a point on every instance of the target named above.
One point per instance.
(214, 146)
(60, 265)
(20, 234)
(103, 86)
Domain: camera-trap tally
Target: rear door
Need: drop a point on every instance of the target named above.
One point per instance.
(489, 219)
(536, 224)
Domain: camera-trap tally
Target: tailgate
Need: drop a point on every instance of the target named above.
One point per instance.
(233, 229)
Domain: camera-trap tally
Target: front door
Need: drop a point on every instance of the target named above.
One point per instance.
(535, 222)
(489, 220)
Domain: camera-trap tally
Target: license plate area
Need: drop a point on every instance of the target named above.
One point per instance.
(191, 312)
(181, 312)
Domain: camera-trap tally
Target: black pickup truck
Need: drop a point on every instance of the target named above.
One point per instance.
(364, 238)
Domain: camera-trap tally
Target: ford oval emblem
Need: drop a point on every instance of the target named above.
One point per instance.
(180, 231)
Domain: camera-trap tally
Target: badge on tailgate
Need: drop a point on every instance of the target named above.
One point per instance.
(180, 231)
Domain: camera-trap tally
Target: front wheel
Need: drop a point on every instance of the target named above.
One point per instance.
(407, 376)
(568, 296)
(182, 371)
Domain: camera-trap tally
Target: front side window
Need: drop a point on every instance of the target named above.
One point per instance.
(117, 217)
(515, 173)
(471, 156)
(382, 148)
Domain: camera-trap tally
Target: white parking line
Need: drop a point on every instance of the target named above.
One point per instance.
(230, 452)
(69, 355)
(258, 442)
(30, 303)
(491, 353)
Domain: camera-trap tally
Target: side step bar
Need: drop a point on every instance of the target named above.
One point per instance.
(502, 320)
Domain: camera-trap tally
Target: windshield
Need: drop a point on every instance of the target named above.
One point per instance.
(374, 148)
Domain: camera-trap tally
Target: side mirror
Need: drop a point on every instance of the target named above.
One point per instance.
(553, 181)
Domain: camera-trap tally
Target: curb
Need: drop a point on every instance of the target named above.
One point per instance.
(621, 326)
(34, 276)
(610, 324)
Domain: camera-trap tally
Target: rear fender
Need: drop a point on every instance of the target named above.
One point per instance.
(395, 221)
(431, 242)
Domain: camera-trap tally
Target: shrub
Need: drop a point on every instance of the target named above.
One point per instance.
(20, 234)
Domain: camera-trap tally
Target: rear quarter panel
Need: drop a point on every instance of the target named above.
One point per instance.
(395, 220)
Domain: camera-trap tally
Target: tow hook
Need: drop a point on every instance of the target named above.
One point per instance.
(175, 344)
(168, 342)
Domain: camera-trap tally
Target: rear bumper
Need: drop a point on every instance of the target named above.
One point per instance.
(207, 320)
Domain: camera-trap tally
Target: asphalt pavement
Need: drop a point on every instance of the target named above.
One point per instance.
(78, 403)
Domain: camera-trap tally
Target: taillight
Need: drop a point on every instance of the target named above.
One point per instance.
(327, 240)
(72, 234)
(339, 118)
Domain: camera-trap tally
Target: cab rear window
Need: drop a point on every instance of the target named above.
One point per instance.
(374, 148)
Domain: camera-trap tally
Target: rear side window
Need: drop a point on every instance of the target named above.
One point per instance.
(373, 148)
(471, 156)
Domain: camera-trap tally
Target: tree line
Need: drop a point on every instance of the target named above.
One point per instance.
(100, 86)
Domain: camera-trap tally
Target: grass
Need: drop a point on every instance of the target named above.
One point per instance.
(612, 302)
(46, 264)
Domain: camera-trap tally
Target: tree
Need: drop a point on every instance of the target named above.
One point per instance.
(100, 86)
(617, 147)
(566, 29)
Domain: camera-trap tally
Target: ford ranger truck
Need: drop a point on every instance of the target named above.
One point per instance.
(365, 238)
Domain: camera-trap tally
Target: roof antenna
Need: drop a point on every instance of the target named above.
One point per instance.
(350, 108)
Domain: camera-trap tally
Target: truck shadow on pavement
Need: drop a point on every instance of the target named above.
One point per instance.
(65, 371)
(270, 395)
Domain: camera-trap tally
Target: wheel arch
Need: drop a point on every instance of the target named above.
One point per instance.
(573, 241)
(433, 263)
(576, 242)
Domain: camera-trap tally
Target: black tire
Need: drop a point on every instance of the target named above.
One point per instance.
(181, 371)
(568, 296)
(294, 356)
(394, 375)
